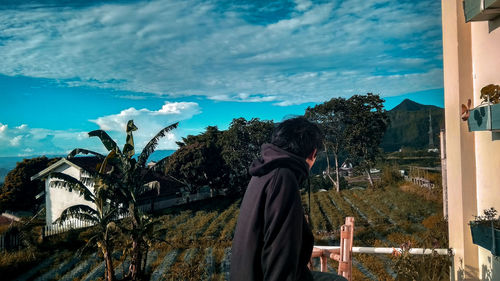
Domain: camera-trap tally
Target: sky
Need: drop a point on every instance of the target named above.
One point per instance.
(70, 67)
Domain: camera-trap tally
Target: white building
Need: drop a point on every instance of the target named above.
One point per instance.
(58, 199)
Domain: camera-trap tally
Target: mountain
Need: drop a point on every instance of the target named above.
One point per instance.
(409, 126)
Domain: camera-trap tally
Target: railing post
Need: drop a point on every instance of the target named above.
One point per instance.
(324, 262)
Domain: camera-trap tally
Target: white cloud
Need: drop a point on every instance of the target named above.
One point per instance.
(16, 140)
(24, 141)
(179, 48)
(3, 128)
(150, 122)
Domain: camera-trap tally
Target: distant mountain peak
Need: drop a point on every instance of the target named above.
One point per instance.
(409, 105)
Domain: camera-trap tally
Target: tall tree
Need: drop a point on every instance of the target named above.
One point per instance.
(241, 144)
(366, 126)
(103, 216)
(19, 192)
(198, 162)
(128, 178)
(332, 117)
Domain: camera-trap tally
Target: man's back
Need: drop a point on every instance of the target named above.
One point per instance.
(272, 239)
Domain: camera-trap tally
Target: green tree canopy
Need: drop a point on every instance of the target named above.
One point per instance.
(198, 161)
(241, 144)
(18, 192)
(332, 117)
(368, 121)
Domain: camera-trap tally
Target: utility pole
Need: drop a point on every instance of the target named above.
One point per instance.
(444, 182)
(431, 138)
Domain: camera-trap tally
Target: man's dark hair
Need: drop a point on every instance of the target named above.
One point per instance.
(298, 136)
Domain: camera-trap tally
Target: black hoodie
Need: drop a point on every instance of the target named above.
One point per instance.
(273, 241)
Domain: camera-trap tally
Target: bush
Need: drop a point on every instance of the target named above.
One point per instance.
(390, 176)
(319, 182)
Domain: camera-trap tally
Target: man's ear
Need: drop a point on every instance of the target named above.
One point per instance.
(313, 154)
(311, 158)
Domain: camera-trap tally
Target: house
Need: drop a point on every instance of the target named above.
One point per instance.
(58, 199)
(471, 60)
(346, 169)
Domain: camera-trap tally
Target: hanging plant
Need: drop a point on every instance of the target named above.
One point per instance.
(485, 230)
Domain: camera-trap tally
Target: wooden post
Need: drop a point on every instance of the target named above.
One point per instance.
(346, 237)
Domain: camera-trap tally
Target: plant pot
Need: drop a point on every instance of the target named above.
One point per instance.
(487, 237)
(481, 10)
(485, 118)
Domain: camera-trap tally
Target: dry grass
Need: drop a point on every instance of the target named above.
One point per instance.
(434, 195)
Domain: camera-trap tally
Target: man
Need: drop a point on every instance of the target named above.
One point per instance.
(272, 240)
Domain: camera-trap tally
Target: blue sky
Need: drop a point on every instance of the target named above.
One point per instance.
(69, 67)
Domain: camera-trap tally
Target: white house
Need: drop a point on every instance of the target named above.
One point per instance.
(58, 199)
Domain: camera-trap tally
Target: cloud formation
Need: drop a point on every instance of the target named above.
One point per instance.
(24, 141)
(306, 51)
(149, 122)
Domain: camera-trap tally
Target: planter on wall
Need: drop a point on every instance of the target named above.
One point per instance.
(487, 237)
(481, 10)
(485, 118)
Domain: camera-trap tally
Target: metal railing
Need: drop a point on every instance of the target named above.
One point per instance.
(389, 251)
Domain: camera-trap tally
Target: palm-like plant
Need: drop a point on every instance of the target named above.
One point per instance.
(130, 178)
(104, 214)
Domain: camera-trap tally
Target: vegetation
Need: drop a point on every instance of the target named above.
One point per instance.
(198, 162)
(194, 239)
(241, 144)
(332, 117)
(118, 182)
(18, 192)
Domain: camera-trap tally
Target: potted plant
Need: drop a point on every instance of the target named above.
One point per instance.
(486, 116)
(485, 231)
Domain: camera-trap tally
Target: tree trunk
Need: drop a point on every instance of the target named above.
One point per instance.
(134, 270)
(335, 184)
(370, 178)
(337, 172)
(110, 272)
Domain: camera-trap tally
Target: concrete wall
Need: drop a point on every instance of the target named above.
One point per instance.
(58, 199)
(471, 56)
(486, 70)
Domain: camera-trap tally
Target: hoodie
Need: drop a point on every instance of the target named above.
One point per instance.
(272, 240)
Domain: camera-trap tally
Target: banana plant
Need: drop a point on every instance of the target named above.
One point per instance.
(102, 215)
(130, 178)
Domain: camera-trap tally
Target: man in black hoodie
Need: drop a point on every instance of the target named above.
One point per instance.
(272, 240)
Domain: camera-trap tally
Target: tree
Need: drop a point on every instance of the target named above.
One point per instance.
(130, 178)
(198, 162)
(241, 145)
(127, 179)
(19, 192)
(332, 117)
(104, 214)
(366, 126)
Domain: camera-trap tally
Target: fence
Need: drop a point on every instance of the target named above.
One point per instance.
(9, 241)
(146, 206)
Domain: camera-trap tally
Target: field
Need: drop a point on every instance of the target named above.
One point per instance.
(194, 241)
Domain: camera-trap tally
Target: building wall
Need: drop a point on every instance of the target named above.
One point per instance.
(58, 199)
(486, 70)
(471, 56)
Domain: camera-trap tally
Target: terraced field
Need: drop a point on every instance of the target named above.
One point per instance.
(195, 241)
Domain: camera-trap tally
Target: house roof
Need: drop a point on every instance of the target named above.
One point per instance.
(89, 163)
(82, 163)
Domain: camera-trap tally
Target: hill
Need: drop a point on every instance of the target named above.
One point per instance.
(409, 126)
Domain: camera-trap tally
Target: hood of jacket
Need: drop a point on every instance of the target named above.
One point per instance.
(274, 157)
